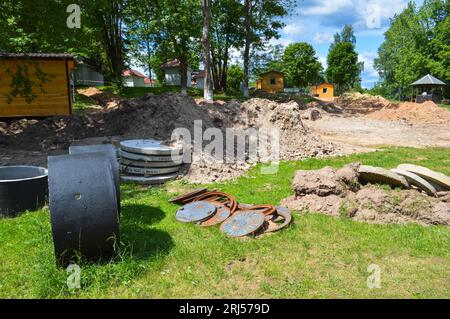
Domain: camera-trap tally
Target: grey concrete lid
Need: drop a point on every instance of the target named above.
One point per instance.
(380, 175)
(416, 180)
(127, 162)
(148, 171)
(149, 147)
(151, 158)
(152, 180)
(431, 176)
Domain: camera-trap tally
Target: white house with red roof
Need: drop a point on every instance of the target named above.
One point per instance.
(133, 78)
(173, 75)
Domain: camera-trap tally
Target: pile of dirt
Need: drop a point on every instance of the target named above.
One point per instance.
(425, 113)
(357, 103)
(296, 141)
(103, 98)
(338, 193)
(156, 117)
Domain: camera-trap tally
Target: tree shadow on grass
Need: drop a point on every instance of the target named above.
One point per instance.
(143, 241)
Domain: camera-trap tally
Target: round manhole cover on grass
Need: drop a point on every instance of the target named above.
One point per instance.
(243, 223)
(223, 212)
(196, 212)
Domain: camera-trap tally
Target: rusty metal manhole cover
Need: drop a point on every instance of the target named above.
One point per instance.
(196, 212)
(222, 214)
(243, 223)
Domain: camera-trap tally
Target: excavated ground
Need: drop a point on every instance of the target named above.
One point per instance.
(29, 141)
(339, 193)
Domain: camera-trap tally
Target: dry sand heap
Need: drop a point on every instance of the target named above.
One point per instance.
(357, 103)
(425, 113)
(157, 116)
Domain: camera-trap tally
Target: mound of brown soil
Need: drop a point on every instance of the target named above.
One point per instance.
(103, 98)
(426, 113)
(157, 116)
(357, 103)
(338, 193)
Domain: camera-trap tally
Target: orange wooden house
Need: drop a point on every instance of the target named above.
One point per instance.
(35, 84)
(271, 82)
(322, 91)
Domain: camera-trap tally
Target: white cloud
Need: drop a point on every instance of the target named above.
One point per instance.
(325, 7)
(281, 41)
(363, 14)
(324, 62)
(368, 59)
(323, 38)
(293, 29)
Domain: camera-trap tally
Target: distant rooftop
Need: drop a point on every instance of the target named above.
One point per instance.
(429, 80)
(131, 72)
(47, 56)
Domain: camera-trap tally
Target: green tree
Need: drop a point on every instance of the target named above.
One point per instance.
(142, 33)
(402, 58)
(343, 67)
(235, 76)
(262, 23)
(347, 35)
(181, 34)
(301, 64)
(206, 43)
(227, 33)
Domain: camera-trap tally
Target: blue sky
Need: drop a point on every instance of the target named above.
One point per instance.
(316, 21)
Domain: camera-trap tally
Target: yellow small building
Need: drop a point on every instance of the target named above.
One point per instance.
(322, 91)
(35, 84)
(271, 82)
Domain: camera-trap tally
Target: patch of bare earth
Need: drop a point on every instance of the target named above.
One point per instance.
(157, 117)
(371, 121)
(338, 193)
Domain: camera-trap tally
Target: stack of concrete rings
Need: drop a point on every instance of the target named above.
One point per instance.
(149, 162)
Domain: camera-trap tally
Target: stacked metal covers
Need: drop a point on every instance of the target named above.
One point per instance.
(149, 162)
(84, 203)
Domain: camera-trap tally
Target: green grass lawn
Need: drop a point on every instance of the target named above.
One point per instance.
(445, 106)
(316, 257)
(82, 103)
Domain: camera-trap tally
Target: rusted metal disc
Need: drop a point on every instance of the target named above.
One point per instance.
(188, 197)
(196, 212)
(222, 213)
(243, 223)
(282, 214)
(215, 196)
(244, 206)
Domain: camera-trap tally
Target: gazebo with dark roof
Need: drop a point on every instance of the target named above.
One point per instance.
(431, 89)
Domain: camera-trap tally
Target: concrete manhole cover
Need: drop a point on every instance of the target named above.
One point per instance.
(149, 147)
(148, 171)
(431, 176)
(378, 175)
(416, 180)
(151, 158)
